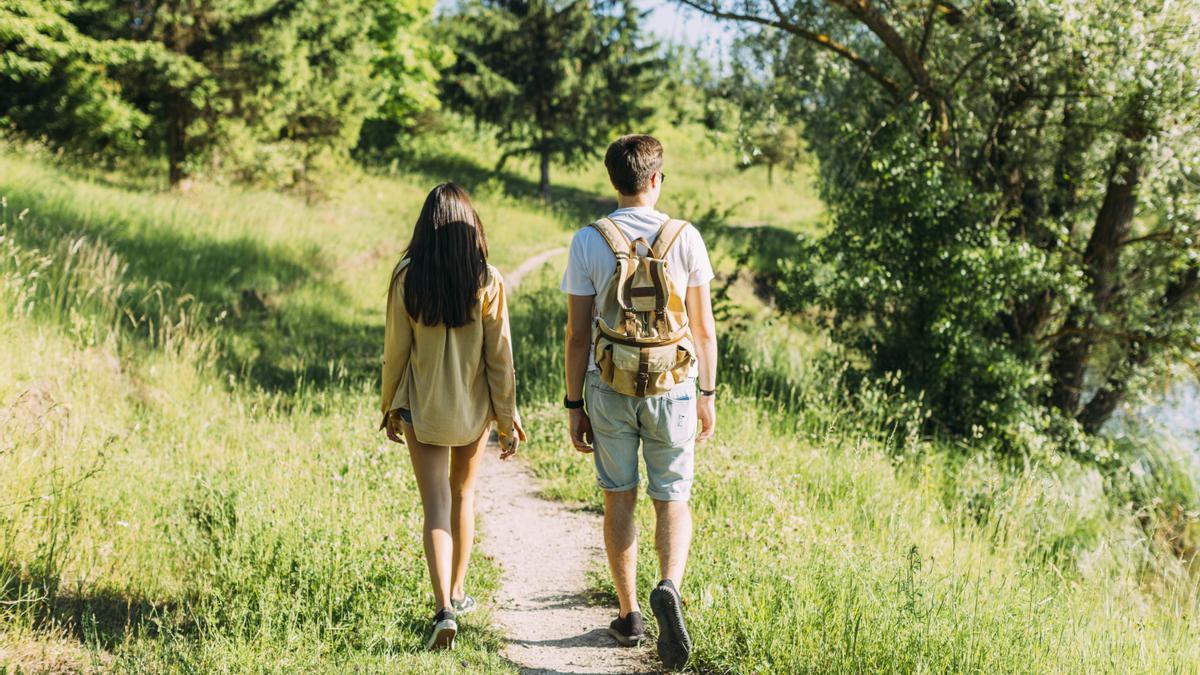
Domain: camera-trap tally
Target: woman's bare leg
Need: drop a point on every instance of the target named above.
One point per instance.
(431, 464)
(464, 466)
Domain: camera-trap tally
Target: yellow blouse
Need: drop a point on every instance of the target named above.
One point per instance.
(454, 381)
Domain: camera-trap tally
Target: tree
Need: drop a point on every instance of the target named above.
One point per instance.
(770, 144)
(1014, 193)
(64, 86)
(767, 129)
(286, 75)
(556, 79)
(257, 89)
(407, 66)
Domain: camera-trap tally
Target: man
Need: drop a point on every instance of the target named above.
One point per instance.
(612, 424)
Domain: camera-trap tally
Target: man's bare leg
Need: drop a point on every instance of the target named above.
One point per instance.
(620, 543)
(672, 538)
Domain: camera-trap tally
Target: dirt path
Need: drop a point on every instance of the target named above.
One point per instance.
(545, 550)
(531, 264)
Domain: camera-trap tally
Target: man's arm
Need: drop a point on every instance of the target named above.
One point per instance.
(704, 337)
(578, 345)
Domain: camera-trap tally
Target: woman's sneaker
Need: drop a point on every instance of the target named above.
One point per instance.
(444, 630)
(464, 606)
(629, 630)
(674, 644)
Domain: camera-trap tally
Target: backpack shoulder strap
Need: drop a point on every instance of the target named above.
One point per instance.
(613, 236)
(668, 234)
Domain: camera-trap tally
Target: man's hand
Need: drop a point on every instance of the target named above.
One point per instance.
(581, 430)
(706, 410)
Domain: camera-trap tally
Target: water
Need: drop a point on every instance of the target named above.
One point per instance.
(1176, 413)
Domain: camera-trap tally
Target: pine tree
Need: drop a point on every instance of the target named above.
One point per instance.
(555, 79)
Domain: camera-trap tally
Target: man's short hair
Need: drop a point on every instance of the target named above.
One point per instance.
(631, 161)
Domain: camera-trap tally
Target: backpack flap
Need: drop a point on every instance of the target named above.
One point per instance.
(643, 371)
(645, 287)
(657, 359)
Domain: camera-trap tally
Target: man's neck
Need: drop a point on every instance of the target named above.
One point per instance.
(631, 201)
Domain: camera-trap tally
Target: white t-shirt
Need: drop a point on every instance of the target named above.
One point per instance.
(591, 262)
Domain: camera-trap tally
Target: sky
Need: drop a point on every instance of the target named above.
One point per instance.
(677, 24)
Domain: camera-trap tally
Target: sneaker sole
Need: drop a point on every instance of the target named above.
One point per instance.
(626, 640)
(443, 635)
(674, 644)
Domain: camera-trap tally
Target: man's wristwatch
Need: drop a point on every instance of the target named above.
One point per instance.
(706, 392)
(572, 405)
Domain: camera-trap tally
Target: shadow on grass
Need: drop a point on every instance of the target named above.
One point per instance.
(238, 288)
(99, 618)
(577, 206)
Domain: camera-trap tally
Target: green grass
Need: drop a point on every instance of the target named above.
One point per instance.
(191, 480)
(827, 541)
(194, 481)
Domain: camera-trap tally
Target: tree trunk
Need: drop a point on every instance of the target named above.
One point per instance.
(1179, 293)
(544, 183)
(1101, 258)
(176, 132)
(771, 173)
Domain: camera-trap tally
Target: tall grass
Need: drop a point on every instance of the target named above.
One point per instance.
(191, 480)
(830, 538)
(158, 511)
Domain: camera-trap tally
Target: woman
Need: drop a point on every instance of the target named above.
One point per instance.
(447, 374)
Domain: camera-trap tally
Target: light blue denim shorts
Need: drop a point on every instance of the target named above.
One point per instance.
(664, 426)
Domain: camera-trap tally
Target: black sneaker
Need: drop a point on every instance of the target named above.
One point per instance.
(629, 630)
(444, 630)
(674, 644)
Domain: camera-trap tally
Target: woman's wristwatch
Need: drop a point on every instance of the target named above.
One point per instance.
(572, 405)
(706, 392)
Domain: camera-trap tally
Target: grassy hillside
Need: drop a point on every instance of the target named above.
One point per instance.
(190, 476)
(190, 469)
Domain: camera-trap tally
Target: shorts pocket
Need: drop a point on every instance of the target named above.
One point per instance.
(684, 393)
(678, 419)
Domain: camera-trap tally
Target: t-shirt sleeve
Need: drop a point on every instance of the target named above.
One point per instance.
(700, 269)
(577, 279)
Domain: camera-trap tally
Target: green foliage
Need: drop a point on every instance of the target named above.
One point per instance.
(1013, 193)
(62, 85)
(165, 512)
(270, 92)
(833, 536)
(771, 144)
(556, 79)
(406, 66)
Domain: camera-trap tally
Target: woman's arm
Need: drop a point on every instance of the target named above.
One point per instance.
(498, 359)
(397, 345)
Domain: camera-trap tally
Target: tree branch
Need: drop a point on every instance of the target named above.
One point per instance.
(819, 39)
(910, 61)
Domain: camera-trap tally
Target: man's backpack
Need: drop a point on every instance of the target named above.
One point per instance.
(643, 342)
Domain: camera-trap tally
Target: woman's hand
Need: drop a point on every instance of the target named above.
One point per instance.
(510, 442)
(390, 427)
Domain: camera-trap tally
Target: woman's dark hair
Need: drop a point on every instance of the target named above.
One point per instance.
(447, 259)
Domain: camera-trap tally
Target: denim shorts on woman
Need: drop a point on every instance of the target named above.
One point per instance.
(664, 425)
